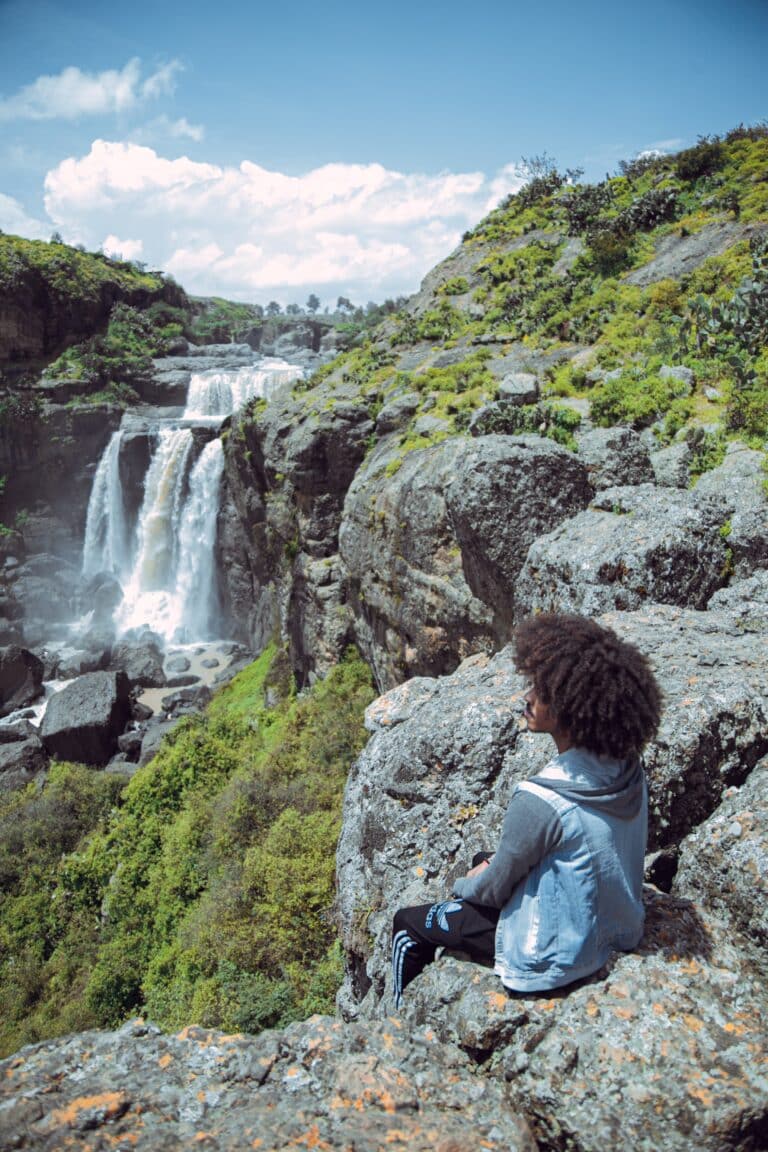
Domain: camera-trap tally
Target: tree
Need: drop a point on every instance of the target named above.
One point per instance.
(273, 308)
(344, 305)
(293, 310)
(313, 303)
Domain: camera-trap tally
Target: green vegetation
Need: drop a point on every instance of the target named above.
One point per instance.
(69, 274)
(203, 891)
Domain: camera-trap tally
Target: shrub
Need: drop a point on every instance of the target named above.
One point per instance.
(702, 160)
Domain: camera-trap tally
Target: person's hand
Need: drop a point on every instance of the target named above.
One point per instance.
(478, 868)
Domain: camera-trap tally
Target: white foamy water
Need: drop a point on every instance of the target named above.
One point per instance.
(167, 566)
(222, 393)
(106, 536)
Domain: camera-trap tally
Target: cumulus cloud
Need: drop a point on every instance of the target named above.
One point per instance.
(16, 221)
(361, 230)
(72, 93)
(123, 249)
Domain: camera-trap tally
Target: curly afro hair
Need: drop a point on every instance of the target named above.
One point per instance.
(600, 688)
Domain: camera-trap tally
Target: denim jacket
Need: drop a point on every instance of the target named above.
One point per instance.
(583, 899)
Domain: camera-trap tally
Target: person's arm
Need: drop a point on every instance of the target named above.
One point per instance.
(531, 829)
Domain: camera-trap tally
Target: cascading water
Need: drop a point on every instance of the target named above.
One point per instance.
(106, 537)
(221, 393)
(167, 565)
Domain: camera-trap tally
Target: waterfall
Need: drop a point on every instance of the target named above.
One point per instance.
(169, 576)
(106, 540)
(195, 583)
(222, 393)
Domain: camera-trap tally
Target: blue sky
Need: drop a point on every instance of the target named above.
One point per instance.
(266, 151)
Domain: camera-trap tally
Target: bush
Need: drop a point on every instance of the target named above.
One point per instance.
(706, 157)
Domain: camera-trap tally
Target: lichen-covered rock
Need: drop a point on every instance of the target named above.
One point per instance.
(738, 485)
(84, 720)
(414, 611)
(319, 1084)
(671, 466)
(724, 862)
(614, 456)
(432, 547)
(665, 1048)
(632, 546)
(22, 756)
(432, 785)
(745, 599)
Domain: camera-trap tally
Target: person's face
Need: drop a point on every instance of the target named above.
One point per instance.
(538, 715)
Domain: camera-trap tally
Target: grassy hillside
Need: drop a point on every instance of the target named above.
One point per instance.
(203, 890)
(594, 288)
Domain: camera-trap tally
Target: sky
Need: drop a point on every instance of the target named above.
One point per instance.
(266, 151)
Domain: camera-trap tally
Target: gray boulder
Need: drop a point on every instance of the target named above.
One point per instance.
(21, 678)
(142, 663)
(665, 1048)
(747, 600)
(671, 465)
(312, 1085)
(519, 388)
(632, 546)
(432, 785)
(724, 862)
(83, 721)
(22, 756)
(431, 546)
(738, 486)
(614, 456)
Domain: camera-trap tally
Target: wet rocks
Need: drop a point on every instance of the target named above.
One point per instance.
(83, 721)
(21, 678)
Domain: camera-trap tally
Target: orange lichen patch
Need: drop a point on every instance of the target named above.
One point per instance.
(620, 990)
(165, 1060)
(419, 871)
(497, 1000)
(398, 1135)
(546, 1005)
(617, 1055)
(735, 1029)
(311, 1139)
(625, 1013)
(200, 1136)
(109, 1104)
(691, 968)
(201, 1096)
(703, 1095)
(257, 1143)
(592, 1008)
(693, 1022)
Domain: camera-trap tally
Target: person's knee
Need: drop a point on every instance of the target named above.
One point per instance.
(400, 921)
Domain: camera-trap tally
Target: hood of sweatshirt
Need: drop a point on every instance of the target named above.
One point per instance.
(615, 787)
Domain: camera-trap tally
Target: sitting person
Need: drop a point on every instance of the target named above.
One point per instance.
(564, 887)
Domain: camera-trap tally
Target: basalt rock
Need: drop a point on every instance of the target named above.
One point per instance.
(664, 1048)
(631, 547)
(84, 720)
(432, 543)
(317, 1084)
(22, 756)
(737, 485)
(614, 456)
(432, 785)
(141, 663)
(21, 678)
(724, 862)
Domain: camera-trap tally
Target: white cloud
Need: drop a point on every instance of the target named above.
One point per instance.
(360, 230)
(72, 93)
(15, 220)
(162, 128)
(122, 249)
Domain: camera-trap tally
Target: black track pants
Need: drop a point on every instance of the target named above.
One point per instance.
(455, 924)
